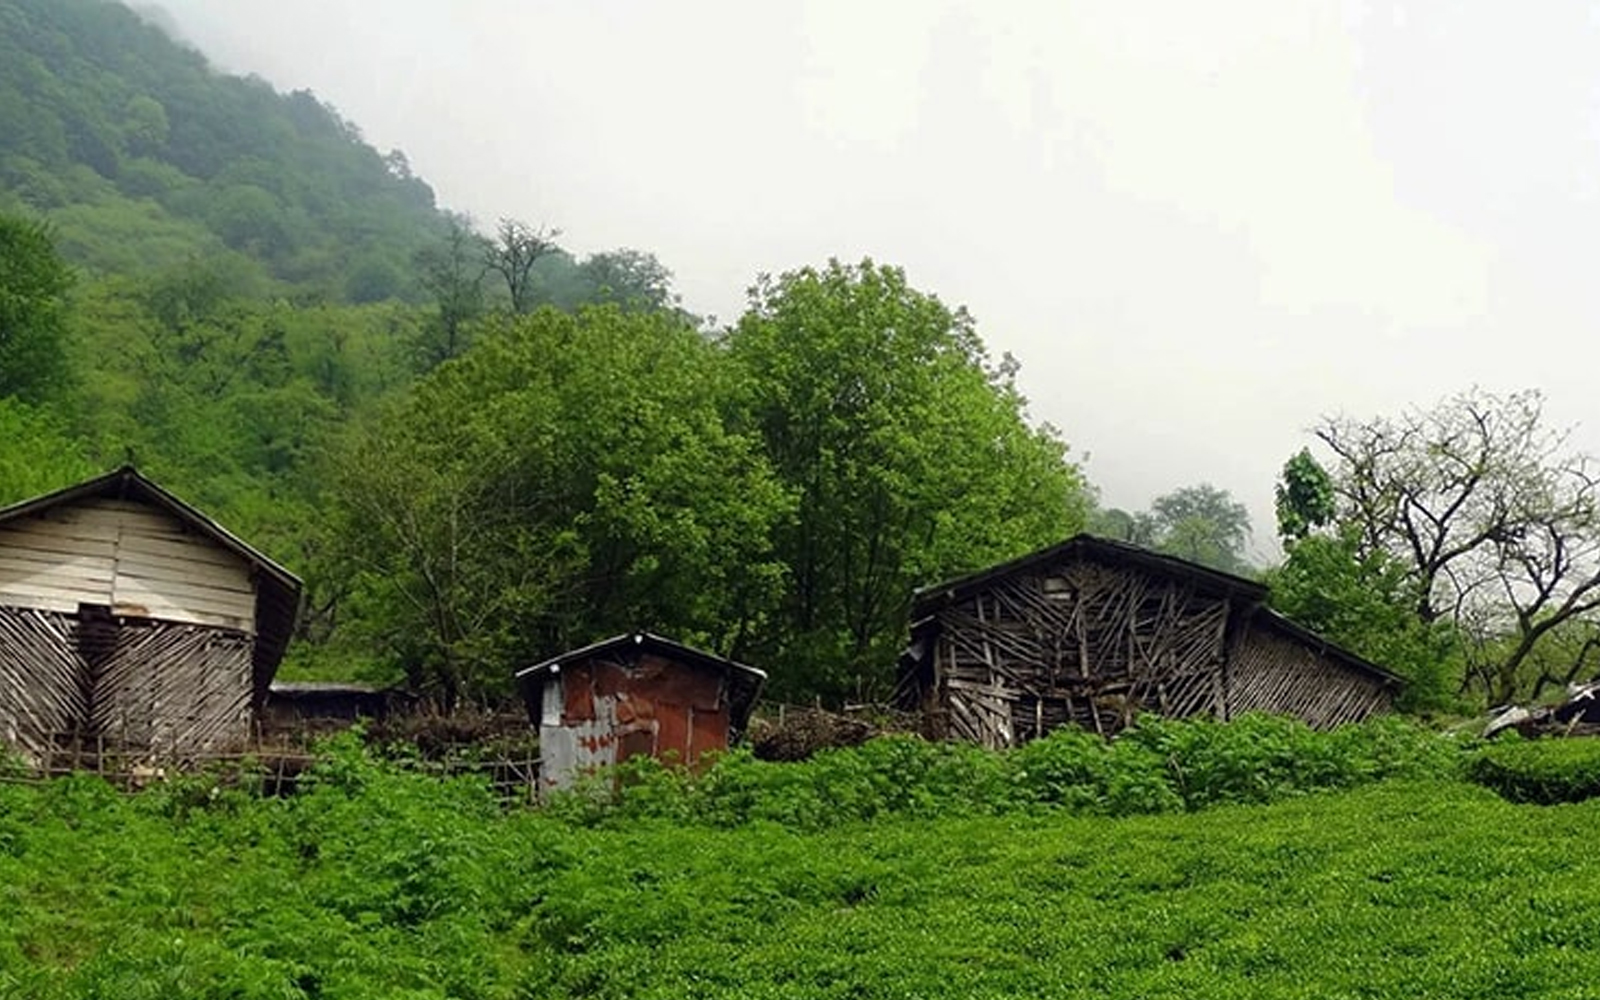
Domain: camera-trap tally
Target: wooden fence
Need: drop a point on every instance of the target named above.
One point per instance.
(275, 769)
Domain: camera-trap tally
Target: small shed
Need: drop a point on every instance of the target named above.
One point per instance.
(130, 620)
(311, 705)
(632, 695)
(1093, 631)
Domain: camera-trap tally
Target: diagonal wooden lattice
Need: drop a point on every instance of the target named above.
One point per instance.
(42, 680)
(167, 688)
(1092, 644)
(1270, 673)
(1081, 643)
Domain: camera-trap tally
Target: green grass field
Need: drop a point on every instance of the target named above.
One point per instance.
(378, 883)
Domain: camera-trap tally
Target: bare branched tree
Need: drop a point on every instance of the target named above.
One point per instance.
(1498, 522)
(513, 251)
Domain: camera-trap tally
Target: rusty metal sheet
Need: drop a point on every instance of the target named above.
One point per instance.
(616, 709)
(577, 686)
(707, 731)
(639, 742)
(672, 734)
(664, 681)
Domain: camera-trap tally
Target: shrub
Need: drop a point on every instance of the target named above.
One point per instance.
(1158, 766)
(1540, 771)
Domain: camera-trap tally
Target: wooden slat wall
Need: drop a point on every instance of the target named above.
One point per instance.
(1080, 643)
(137, 559)
(1092, 644)
(42, 680)
(170, 688)
(1271, 672)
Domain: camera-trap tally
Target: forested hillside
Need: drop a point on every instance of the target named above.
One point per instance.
(475, 447)
(479, 449)
(145, 158)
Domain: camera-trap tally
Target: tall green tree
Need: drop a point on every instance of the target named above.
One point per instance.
(452, 273)
(910, 453)
(1203, 524)
(632, 278)
(33, 287)
(1362, 598)
(569, 476)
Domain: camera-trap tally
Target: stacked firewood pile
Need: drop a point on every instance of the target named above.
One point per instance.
(789, 733)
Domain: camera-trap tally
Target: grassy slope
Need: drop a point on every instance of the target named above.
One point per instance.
(383, 885)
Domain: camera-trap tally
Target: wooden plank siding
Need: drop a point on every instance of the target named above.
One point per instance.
(137, 560)
(1076, 642)
(167, 688)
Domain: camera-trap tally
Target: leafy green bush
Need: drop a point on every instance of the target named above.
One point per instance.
(1158, 766)
(1540, 771)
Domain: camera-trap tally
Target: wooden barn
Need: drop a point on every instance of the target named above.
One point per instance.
(634, 695)
(1093, 631)
(131, 621)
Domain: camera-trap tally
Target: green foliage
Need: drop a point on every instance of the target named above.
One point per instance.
(1544, 772)
(1203, 524)
(571, 476)
(33, 286)
(1157, 766)
(910, 453)
(374, 883)
(1304, 497)
(37, 453)
(142, 155)
(1366, 601)
(1496, 522)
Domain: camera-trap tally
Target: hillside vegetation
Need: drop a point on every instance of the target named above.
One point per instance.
(375, 883)
(479, 450)
(147, 158)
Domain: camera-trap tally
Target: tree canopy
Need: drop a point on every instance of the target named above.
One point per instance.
(33, 286)
(909, 451)
(1481, 517)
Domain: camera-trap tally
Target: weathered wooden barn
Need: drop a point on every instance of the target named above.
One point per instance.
(634, 695)
(131, 621)
(1093, 631)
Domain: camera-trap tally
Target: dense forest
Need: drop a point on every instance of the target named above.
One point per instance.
(478, 448)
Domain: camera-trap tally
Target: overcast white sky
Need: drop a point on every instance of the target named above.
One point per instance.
(1198, 226)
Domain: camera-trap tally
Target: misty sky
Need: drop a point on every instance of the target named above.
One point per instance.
(1198, 226)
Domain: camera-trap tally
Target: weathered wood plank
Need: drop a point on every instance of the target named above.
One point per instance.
(218, 590)
(53, 598)
(41, 695)
(125, 516)
(171, 688)
(181, 594)
(234, 575)
(1094, 642)
(197, 549)
(34, 534)
(78, 567)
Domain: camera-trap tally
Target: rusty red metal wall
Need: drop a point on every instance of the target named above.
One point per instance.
(610, 711)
